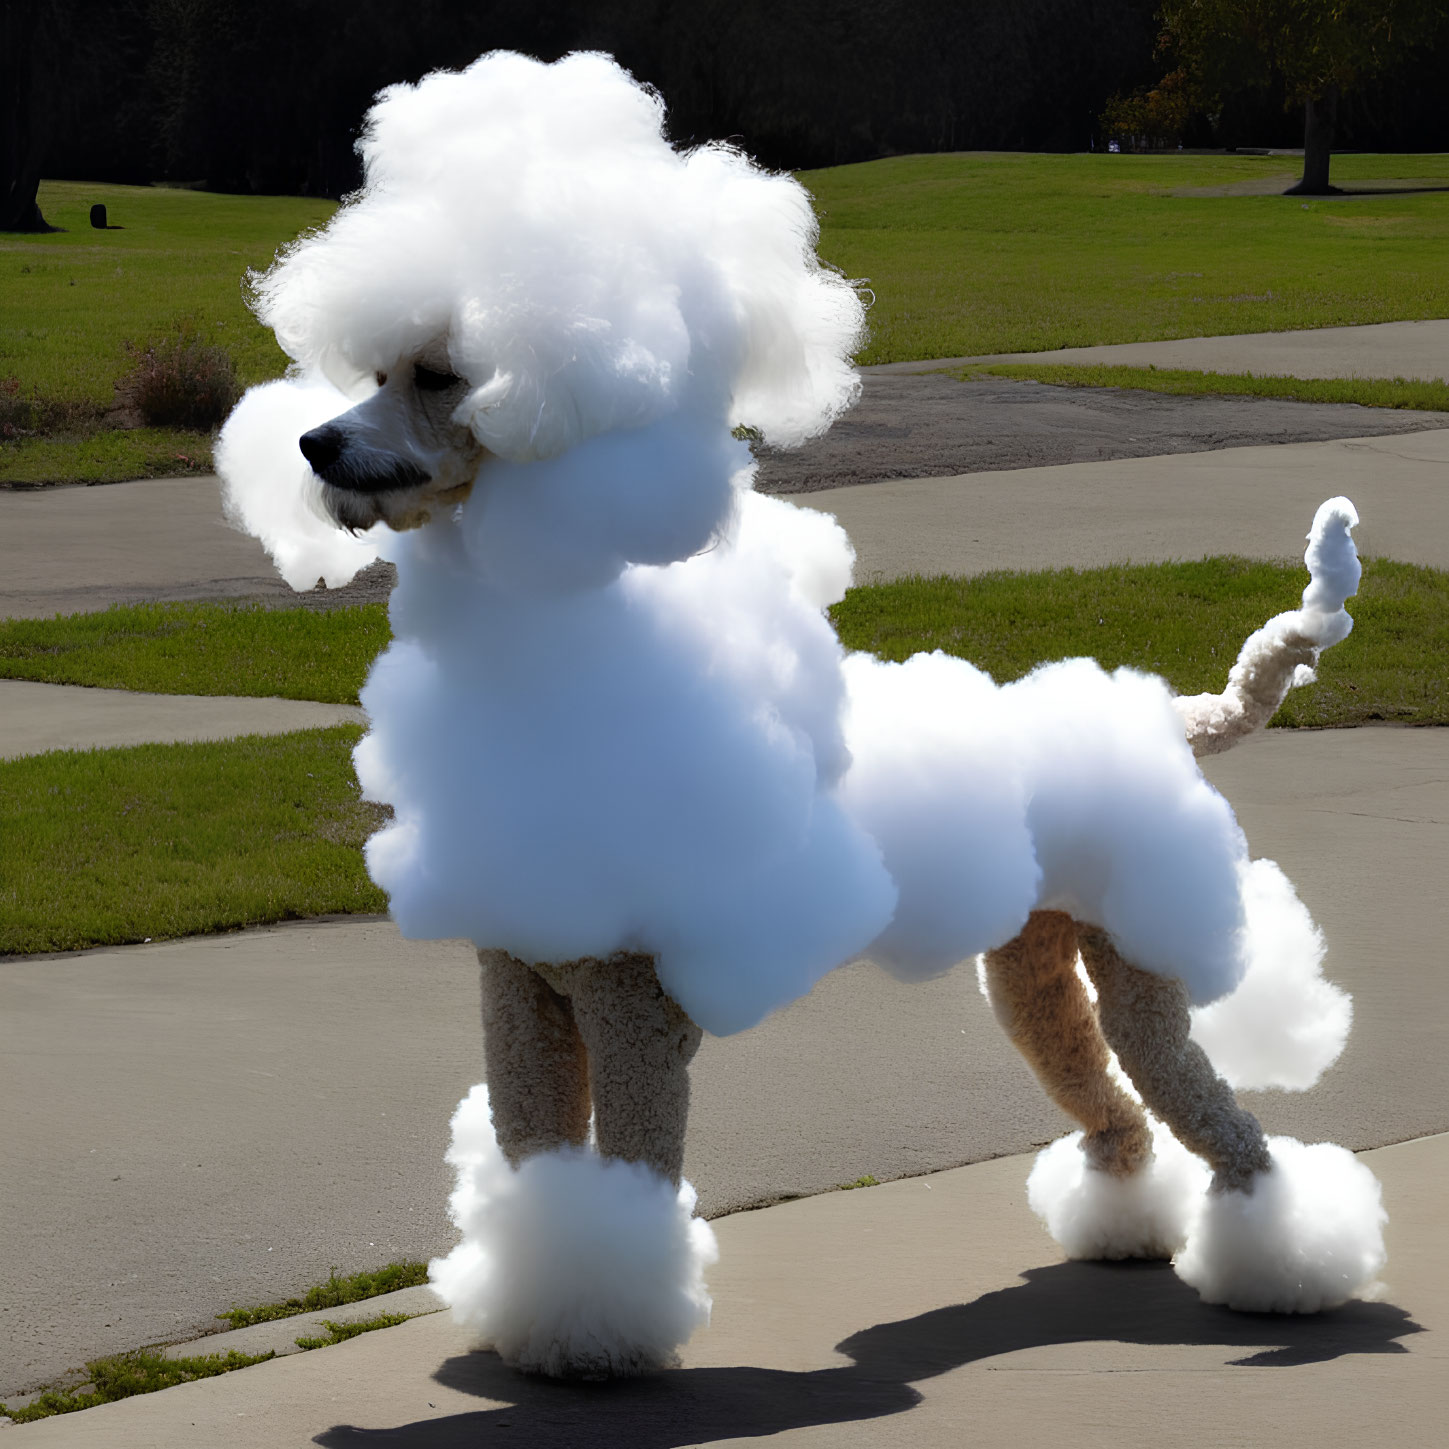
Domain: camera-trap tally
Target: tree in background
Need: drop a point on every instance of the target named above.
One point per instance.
(21, 134)
(1320, 50)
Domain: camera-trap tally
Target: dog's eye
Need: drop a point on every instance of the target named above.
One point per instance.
(426, 380)
(381, 378)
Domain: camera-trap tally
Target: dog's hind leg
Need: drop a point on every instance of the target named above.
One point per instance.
(1040, 1001)
(1119, 1189)
(538, 1086)
(1144, 1017)
(639, 1044)
(1286, 1228)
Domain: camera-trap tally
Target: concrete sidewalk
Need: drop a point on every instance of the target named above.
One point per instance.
(39, 717)
(1385, 349)
(931, 1312)
(1257, 502)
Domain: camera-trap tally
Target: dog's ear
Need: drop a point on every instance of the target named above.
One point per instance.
(799, 321)
(535, 408)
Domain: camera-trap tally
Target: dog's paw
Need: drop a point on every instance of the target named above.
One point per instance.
(1308, 1236)
(575, 1265)
(1094, 1214)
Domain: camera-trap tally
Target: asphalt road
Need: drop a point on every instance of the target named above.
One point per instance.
(912, 425)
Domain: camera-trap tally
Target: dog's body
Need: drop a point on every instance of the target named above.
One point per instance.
(629, 759)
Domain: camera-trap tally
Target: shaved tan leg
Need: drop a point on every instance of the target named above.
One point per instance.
(1145, 1018)
(1045, 1009)
(538, 1086)
(639, 1044)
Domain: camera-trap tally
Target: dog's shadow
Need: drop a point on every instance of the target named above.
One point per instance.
(1141, 1303)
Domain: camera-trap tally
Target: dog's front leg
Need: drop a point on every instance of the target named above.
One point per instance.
(577, 1262)
(639, 1044)
(538, 1086)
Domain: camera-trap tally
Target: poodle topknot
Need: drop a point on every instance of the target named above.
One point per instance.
(528, 229)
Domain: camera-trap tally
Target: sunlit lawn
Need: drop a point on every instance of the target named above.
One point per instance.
(1001, 252)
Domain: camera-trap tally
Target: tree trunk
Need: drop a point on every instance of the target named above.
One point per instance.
(19, 134)
(1319, 115)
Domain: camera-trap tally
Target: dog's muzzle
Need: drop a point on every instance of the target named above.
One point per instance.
(340, 462)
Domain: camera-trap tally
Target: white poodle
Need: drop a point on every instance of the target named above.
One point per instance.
(628, 758)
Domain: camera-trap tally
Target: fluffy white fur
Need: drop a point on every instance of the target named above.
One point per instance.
(1308, 1237)
(1093, 1215)
(1284, 1025)
(574, 1264)
(280, 500)
(614, 716)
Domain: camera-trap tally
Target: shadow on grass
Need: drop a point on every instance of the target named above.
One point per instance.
(1142, 1303)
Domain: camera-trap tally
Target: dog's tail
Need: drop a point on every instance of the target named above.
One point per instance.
(1284, 652)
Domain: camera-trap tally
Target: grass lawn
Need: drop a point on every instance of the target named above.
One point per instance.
(75, 298)
(1003, 252)
(201, 649)
(108, 456)
(965, 254)
(109, 846)
(1397, 392)
(101, 847)
(1184, 621)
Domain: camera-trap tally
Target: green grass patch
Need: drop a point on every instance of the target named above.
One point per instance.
(866, 1181)
(341, 1332)
(978, 253)
(241, 649)
(112, 455)
(1376, 392)
(74, 298)
(111, 846)
(1184, 621)
(124, 1375)
(334, 1293)
(102, 847)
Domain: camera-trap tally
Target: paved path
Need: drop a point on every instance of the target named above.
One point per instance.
(1253, 501)
(925, 1314)
(934, 425)
(39, 717)
(68, 550)
(1385, 349)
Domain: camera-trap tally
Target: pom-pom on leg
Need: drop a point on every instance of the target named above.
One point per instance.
(1095, 1214)
(573, 1265)
(1307, 1234)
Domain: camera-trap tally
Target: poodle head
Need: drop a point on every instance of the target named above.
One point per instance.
(530, 264)
(401, 453)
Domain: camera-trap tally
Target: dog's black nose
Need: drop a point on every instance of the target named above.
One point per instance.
(322, 446)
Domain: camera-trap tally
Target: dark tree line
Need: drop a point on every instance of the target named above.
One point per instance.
(267, 95)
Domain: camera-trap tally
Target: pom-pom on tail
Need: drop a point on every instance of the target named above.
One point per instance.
(1284, 652)
(574, 1265)
(1095, 1215)
(1309, 1236)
